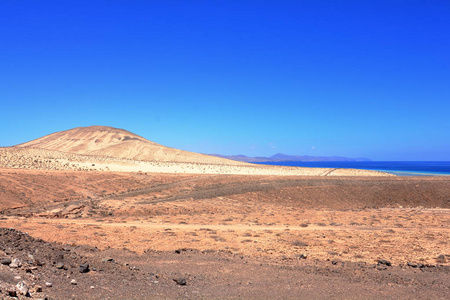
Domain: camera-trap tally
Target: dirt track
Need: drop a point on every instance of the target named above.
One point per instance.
(33, 188)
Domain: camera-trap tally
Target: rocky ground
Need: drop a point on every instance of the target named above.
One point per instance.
(38, 269)
(99, 235)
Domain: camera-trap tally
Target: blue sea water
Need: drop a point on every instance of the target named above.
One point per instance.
(401, 168)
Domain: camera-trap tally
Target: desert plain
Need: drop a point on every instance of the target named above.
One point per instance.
(100, 213)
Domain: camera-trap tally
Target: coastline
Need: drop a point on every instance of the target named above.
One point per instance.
(398, 168)
(413, 173)
(34, 158)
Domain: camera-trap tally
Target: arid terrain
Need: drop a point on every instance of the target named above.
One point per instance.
(102, 234)
(102, 148)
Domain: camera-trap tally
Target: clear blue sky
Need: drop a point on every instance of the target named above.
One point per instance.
(351, 78)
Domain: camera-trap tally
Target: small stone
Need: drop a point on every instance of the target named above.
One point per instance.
(384, 262)
(92, 287)
(22, 288)
(12, 293)
(59, 265)
(84, 268)
(441, 259)
(381, 267)
(39, 263)
(73, 282)
(16, 263)
(108, 259)
(48, 284)
(180, 280)
(37, 288)
(6, 261)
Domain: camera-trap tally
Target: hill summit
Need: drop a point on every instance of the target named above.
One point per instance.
(117, 143)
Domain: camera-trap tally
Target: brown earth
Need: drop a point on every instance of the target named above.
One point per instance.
(228, 236)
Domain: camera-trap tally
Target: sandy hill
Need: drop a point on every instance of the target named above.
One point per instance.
(102, 148)
(118, 143)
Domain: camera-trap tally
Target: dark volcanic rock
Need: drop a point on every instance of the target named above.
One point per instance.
(6, 261)
(180, 280)
(384, 262)
(12, 293)
(84, 268)
(414, 265)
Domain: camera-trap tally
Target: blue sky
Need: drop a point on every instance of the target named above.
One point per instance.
(349, 78)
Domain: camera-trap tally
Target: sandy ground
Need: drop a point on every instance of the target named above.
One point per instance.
(366, 235)
(302, 233)
(40, 159)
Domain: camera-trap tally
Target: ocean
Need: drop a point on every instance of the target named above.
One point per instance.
(400, 168)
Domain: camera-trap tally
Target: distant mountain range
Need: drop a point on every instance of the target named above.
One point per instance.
(279, 157)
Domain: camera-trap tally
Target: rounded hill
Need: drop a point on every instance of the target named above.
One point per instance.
(118, 143)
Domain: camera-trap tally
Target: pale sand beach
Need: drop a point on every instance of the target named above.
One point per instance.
(33, 158)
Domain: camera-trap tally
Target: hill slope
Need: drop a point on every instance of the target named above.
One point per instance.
(101, 148)
(117, 143)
